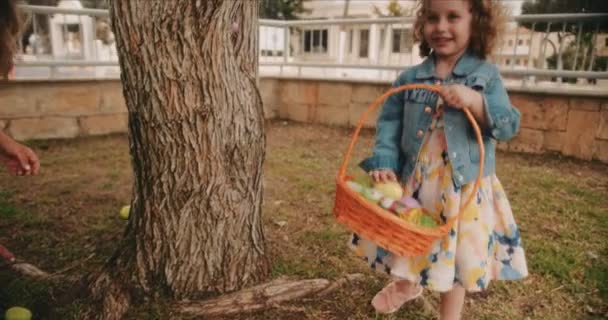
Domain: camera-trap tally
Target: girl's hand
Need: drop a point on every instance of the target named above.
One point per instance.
(459, 96)
(383, 175)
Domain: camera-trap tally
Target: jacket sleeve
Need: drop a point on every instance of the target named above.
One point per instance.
(389, 128)
(503, 118)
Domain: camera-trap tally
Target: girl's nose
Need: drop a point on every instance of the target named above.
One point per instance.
(442, 25)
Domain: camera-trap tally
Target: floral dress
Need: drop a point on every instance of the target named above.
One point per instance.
(483, 245)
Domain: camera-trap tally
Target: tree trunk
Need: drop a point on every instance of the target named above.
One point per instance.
(197, 143)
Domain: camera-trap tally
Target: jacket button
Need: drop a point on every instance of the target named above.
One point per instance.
(419, 133)
(428, 109)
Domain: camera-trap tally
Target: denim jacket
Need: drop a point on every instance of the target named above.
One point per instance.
(406, 116)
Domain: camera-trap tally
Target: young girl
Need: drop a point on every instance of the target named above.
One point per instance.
(425, 141)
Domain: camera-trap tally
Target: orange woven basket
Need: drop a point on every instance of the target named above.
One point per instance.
(381, 226)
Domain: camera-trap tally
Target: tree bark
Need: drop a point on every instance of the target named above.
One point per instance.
(197, 145)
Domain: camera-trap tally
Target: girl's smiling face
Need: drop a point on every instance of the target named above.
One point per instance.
(447, 27)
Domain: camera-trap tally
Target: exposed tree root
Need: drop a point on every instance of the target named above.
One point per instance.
(264, 296)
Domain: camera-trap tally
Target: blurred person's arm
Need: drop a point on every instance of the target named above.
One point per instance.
(17, 158)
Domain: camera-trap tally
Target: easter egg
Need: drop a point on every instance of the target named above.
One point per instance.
(124, 212)
(372, 195)
(18, 313)
(410, 202)
(427, 221)
(414, 215)
(389, 189)
(356, 187)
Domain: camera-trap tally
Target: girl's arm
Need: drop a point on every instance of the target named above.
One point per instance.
(460, 96)
(490, 107)
(389, 127)
(502, 117)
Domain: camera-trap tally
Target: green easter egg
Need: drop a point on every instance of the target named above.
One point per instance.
(427, 221)
(124, 212)
(354, 186)
(18, 313)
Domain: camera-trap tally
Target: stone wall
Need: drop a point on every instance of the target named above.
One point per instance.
(61, 109)
(572, 125)
(67, 109)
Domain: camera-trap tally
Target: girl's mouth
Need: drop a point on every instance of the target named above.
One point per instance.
(440, 41)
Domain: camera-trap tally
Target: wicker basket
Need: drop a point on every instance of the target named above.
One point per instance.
(381, 226)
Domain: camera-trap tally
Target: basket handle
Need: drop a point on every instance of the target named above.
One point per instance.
(436, 89)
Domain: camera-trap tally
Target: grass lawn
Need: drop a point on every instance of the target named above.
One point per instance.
(67, 217)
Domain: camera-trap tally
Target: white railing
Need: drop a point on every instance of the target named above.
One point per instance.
(62, 43)
(78, 43)
(378, 49)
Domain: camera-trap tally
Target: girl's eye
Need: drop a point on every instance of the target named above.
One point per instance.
(432, 18)
(453, 17)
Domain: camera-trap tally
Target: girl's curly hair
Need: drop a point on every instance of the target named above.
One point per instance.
(9, 29)
(487, 23)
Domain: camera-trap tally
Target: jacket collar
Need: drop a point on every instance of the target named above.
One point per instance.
(465, 65)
